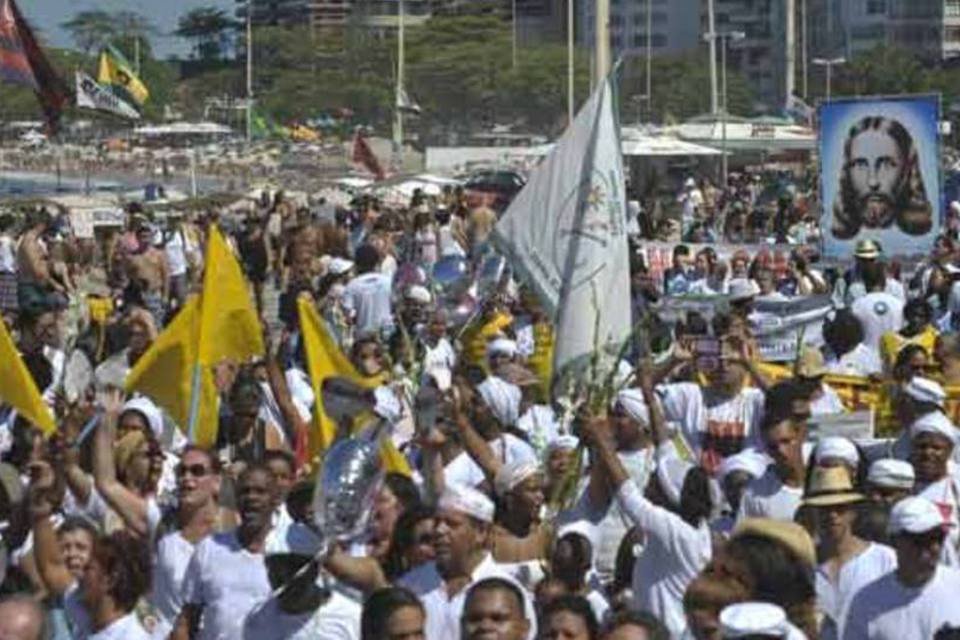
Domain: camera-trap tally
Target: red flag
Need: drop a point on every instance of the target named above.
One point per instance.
(364, 156)
(23, 62)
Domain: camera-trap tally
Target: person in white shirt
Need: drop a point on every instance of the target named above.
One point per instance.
(299, 608)
(678, 544)
(933, 438)
(848, 355)
(916, 599)
(777, 493)
(846, 562)
(851, 286)
(878, 311)
(367, 297)
(736, 472)
(462, 534)
(226, 575)
(495, 608)
(809, 371)
(889, 481)
(692, 201)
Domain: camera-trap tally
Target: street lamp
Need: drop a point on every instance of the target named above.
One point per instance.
(829, 63)
(724, 38)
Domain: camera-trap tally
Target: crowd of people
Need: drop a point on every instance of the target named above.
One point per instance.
(692, 502)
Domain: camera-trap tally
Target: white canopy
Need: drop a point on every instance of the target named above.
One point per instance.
(183, 128)
(747, 135)
(634, 142)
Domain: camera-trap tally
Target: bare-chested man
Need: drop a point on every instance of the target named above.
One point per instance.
(149, 272)
(35, 284)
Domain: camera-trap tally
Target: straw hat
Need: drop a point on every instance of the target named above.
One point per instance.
(867, 249)
(810, 364)
(831, 486)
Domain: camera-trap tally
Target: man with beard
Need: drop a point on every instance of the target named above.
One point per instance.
(226, 575)
(881, 183)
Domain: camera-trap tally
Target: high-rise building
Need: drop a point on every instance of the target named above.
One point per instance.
(928, 28)
(674, 26)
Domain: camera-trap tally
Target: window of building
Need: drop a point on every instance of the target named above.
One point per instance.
(876, 7)
(952, 34)
(952, 8)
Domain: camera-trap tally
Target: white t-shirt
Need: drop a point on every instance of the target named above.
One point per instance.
(176, 254)
(714, 429)
(673, 555)
(878, 312)
(226, 581)
(768, 497)
(945, 493)
(692, 202)
(367, 297)
(833, 598)
(336, 619)
(126, 628)
(887, 610)
(828, 404)
(170, 561)
(443, 612)
(859, 361)
(8, 254)
(508, 448)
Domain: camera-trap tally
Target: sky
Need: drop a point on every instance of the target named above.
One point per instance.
(46, 15)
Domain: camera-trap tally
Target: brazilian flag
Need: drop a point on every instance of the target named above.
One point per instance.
(116, 73)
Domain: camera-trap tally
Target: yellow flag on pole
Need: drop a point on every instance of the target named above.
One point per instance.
(18, 388)
(117, 73)
(165, 372)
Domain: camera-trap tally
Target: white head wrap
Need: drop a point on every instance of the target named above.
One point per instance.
(563, 441)
(891, 474)
(419, 293)
(837, 448)
(502, 346)
(631, 401)
(749, 619)
(749, 461)
(934, 422)
(339, 266)
(502, 398)
(466, 500)
(512, 474)
(914, 515)
(149, 410)
(925, 390)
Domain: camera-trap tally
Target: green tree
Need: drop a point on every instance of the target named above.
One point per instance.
(91, 29)
(881, 71)
(207, 28)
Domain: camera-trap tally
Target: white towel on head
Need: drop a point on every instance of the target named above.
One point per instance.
(502, 398)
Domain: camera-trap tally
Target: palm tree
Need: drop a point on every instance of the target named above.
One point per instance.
(91, 29)
(206, 27)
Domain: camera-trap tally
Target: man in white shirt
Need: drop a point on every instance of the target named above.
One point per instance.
(777, 493)
(692, 201)
(299, 609)
(462, 536)
(226, 575)
(367, 297)
(851, 286)
(878, 311)
(916, 599)
(495, 608)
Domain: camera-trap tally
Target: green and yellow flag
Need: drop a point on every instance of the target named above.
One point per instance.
(18, 388)
(116, 73)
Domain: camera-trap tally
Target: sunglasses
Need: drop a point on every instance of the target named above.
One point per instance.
(196, 470)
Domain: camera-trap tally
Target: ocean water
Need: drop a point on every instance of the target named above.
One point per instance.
(30, 184)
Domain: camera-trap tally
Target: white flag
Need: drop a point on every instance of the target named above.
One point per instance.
(93, 95)
(565, 234)
(405, 103)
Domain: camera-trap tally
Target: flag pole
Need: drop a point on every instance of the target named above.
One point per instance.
(398, 100)
(249, 70)
(194, 403)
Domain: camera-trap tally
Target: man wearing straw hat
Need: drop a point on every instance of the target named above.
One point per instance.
(846, 562)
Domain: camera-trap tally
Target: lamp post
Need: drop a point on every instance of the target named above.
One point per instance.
(724, 38)
(829, 63)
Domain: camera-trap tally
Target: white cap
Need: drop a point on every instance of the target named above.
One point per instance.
(466, 500)
(891, 473)
(510, 475)
(502, 346)
(339, 266)
(295, 538)
(914, 515)
(835, 447)
(748, 460)
(689, 182)
(150, 411)
(745, 619)
(502, 398)
(563, 441)
(583, 528)
(934, 422)
(419, 293)
(632, 402)
(742, 289)
(925, 390)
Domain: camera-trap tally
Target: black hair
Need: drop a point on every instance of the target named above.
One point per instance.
(402, 540)
(778, 402)
(382, 604)
(571, 558)
(650, 623)
(918, 305)
(843, 333)
(871, 522)
(681, 250)
(498, 584)
(79, 523)
(404, 489)
(578, 606)
(280, 454)
(695, 502)
(126, 560)
(212, 458)
(366, 258)
(874, 275)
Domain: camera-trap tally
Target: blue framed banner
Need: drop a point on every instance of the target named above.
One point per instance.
(880, 174)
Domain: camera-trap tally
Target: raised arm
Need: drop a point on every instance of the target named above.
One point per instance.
(131, 507)
(46, 548)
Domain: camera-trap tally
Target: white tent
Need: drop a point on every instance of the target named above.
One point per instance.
(760, 135)
(635, 142)
(183, 129)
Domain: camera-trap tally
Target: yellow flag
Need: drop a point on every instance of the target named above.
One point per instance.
(116, 72)
(165, 374)
(18, 388)
(229, 324)
(324, 361)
